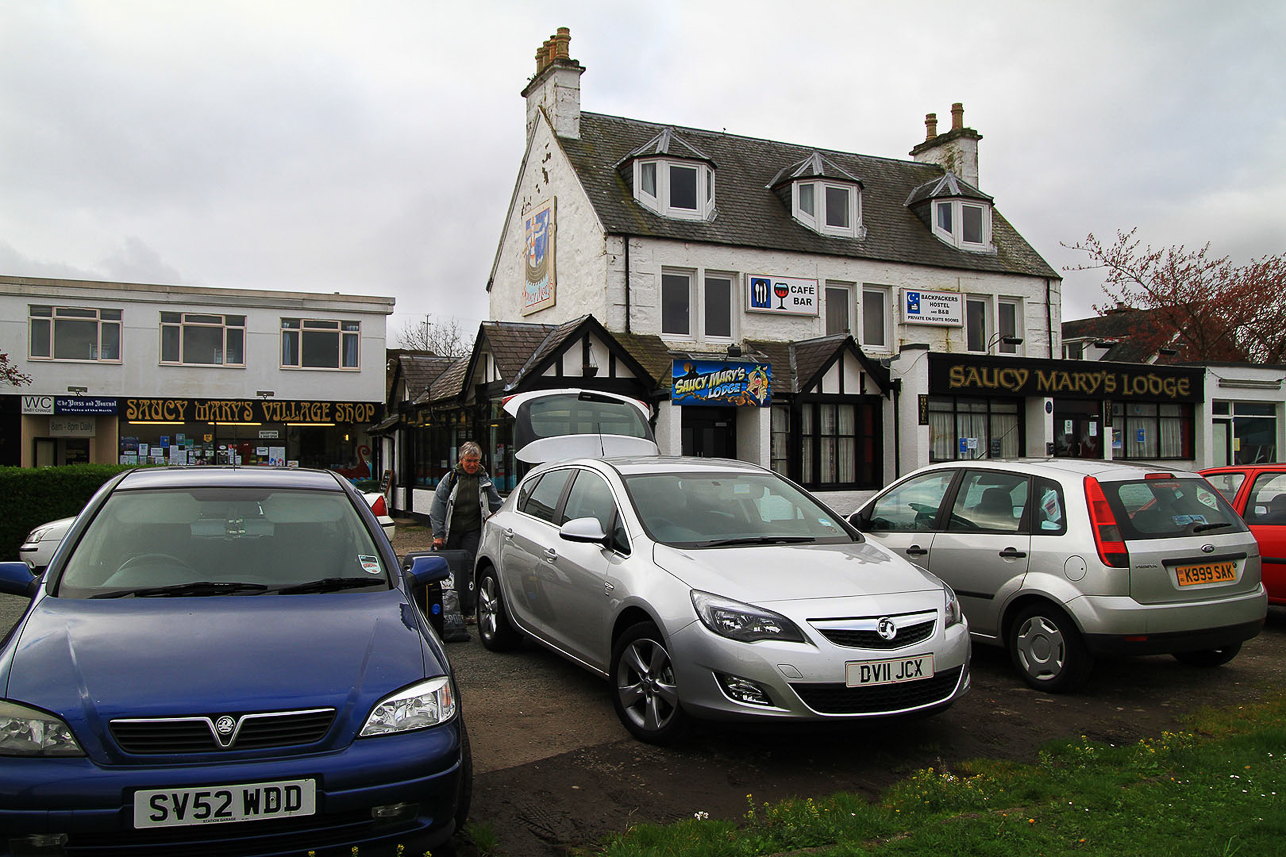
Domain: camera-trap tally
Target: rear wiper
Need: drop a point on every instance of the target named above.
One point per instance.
(757, 540)
(330, 584)
(1201, 528)
(199, 587)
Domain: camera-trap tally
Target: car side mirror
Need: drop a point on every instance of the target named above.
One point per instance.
(425, 567)
(16, 579)
(586, 530)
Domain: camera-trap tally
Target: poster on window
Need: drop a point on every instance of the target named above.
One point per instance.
(538, 290)
(781, 295)
(721, 382)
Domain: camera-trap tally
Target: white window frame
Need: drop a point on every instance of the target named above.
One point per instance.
(101, 318)
(193, 320)
(660, 202)
(1001, 346)
(885, 294)
(816, 220)
(691, 277)
(732, 280)
(849, 310)
(988, 322)
(953, 233)
(344, 329)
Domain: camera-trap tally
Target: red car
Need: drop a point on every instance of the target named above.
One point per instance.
(1258, 493)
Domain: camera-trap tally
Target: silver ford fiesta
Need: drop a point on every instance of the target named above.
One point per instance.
(714, 589)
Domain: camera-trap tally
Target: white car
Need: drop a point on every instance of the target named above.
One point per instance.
(709, 588)
(375, 500)
(41, 543)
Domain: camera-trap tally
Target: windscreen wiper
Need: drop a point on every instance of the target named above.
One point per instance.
(199, 587)
(1201, 528)
(330, 584)
(757, 540)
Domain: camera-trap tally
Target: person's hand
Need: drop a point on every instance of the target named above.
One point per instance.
(437, 542)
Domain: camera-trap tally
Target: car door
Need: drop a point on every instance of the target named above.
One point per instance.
(982, 549)
(904, 519)
(1265, 514)
(579, 590)
(527, 537)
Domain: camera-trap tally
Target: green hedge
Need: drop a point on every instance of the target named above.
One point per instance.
(31, 497)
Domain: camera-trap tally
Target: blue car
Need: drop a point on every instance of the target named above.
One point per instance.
(227, 661)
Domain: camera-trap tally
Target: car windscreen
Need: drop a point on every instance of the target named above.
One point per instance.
(725, 509)
(1159, 508)
(222, 541)
(577, 413)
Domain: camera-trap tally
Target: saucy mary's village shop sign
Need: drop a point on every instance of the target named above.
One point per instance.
(246, 411)
(951, 374)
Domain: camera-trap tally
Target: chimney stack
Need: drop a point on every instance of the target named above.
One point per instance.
(955, 150)
(555, 88)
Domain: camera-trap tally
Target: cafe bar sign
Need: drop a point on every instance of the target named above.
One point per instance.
(951, 374)
(246, 411)
(721, 382)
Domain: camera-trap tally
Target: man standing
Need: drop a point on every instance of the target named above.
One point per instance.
(463, 500)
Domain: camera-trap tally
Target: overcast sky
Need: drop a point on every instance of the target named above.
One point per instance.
(372, 148)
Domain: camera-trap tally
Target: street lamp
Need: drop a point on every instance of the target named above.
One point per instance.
(265, 394)
(1000, 338)
(77, 390)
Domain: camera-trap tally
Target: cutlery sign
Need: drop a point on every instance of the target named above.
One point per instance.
(781, 295)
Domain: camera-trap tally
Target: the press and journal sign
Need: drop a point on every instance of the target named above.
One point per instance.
(1063, 379)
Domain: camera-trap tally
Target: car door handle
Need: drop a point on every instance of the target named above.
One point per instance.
(550, 554)
(607, 588)
(509, 533)
(916, 550)
(1013, 553)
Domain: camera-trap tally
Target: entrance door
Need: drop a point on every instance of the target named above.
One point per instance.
(46, 452)
(1078, 430)
(710, 432)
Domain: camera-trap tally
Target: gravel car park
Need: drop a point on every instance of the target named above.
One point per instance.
(1062, 560)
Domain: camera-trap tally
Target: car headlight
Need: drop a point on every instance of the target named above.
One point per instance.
(416, 707)
(953, 614)
(38, 534)
(30, 732)
(743, 622)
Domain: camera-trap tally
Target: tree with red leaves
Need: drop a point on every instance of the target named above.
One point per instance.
(9, 374)
(1204, 308)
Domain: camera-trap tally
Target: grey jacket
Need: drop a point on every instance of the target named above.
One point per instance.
(444, 498)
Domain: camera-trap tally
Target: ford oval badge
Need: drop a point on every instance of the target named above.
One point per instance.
(1207, 548)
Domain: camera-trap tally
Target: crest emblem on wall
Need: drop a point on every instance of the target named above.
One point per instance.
(538, 290)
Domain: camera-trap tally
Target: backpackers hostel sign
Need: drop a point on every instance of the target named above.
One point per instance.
(1063, 379)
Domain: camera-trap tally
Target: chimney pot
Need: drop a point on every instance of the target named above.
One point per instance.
(957, 116)
(562, 42)
(930, 126)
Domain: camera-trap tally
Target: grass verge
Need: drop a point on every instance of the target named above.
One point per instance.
(1216, 788)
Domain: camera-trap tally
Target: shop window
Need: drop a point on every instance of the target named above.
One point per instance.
(74, 333)
(838, 444)
(831, 209)
(968, 428)
(1151, 431)
(875, 318)
(838, 299)
(202, 339)
(676, 303)
(318, 344)
(780, 442)
(1244, 432)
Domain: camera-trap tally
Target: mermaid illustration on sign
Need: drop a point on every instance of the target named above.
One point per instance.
(539, 288)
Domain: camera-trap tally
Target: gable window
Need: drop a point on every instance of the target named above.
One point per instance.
(683, 190)
(962, 223)
(74, 333)
(202, 339)
(718, 306)
(676, 303)
(875, 317)
(828, 208)
(838, 298)
(308, 343)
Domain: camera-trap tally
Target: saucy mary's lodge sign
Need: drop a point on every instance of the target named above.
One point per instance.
(951, 374)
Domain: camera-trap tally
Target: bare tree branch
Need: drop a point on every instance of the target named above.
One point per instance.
(441, 338)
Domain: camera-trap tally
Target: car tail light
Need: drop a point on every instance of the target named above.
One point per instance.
(1159, 476)
(378, 506)
(1107, 535)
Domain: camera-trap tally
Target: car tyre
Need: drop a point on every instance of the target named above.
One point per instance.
(644, 692)
(494, 627)
(1047, 649)
(1209, 657)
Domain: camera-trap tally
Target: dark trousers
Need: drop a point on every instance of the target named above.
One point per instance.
(465, 541)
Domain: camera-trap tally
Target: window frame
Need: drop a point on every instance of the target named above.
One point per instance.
(691, 277)
(320, 326)
(952, 232)
(847, 290)
(987, 323)
(101, 319)
(183, 325)
(731, 279)
(1016, 304)
(662, 202)
(1125, 426)
(885, 294)
(819, 219)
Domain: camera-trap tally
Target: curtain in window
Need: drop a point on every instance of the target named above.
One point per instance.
(807, 443)
(942, 436)
(780, 439)
(350, 351)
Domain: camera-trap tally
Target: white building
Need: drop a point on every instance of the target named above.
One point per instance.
(123, 372)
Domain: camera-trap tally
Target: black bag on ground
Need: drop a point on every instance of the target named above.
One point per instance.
(453, 626)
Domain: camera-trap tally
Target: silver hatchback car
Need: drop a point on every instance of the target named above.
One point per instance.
(715, 589)
(1062, 560)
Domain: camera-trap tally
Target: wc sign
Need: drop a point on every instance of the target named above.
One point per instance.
(781, 295)
(38, 404)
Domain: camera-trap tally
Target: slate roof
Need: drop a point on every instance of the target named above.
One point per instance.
(1119, 324)
(950, 185)
(448, 385)
(513, 345)
(750, 215)
(420, 370)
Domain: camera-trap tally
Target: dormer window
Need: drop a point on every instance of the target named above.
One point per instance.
(679, 189)
(831, 209)
(963, 223)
